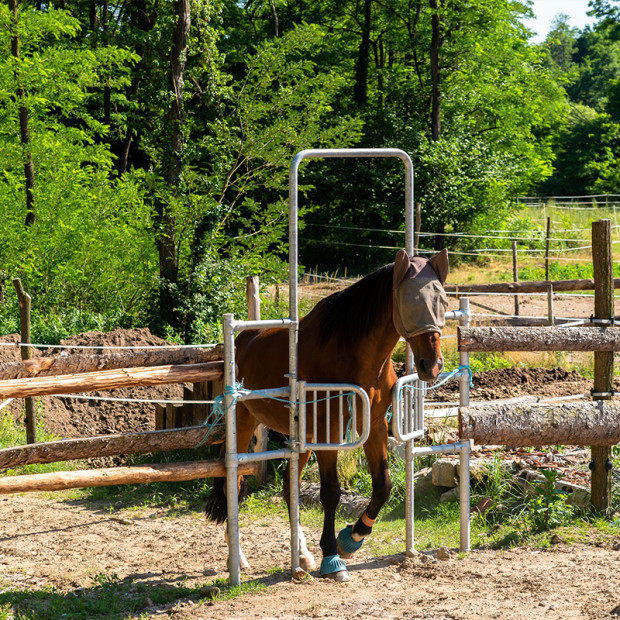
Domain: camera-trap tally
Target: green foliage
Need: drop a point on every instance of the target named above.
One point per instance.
(548, 507)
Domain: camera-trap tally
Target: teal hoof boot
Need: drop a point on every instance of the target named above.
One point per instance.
(346, 545)
(332, 567)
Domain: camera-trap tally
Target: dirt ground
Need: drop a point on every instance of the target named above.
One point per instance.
(57, 542)
(66, 545)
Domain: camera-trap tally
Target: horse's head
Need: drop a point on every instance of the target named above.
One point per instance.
(420, 308)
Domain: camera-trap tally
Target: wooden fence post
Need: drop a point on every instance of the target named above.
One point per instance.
(26, 354)
(603, 360)
(262, 432)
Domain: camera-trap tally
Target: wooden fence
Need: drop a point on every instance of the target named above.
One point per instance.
(595, 425)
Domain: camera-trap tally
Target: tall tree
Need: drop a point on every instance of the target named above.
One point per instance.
(24, 121)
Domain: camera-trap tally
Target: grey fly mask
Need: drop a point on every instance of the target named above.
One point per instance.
(419, 298)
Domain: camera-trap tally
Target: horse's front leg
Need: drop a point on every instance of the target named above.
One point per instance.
(350, 538)
(332, 565)
(306, 559)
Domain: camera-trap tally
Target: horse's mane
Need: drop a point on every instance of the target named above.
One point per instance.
(350, 314)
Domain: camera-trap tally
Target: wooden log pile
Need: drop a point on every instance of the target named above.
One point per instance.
(111, 379)
(74, 364)
(111, 445)
(139, 474)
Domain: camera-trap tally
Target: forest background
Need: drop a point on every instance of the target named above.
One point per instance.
(145, 144)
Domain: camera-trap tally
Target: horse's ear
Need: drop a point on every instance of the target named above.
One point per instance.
(401, 267)
(439, 263)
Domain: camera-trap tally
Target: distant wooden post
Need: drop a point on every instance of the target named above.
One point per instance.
(416, 228)
(262, 432)
(515, 274)
(26, 353)
(547, 248)
(603, 360)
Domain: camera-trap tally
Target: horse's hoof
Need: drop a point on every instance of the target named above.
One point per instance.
(340, 576)
(332, 567)
(307, 563)
(346, 545)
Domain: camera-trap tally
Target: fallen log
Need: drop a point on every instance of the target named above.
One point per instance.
(139, 474)
(111, 379)
(594, 423)
(111, 445)
(72, 364)
(538, 339)
(539, 286)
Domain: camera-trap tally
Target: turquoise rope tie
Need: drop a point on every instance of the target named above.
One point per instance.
(219, 411)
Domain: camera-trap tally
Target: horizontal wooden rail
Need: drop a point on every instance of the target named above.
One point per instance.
(139, 474)
(110, 379)
(111, 445)
(474, 339)
(539, 286)
(582, 424)
(77, 363)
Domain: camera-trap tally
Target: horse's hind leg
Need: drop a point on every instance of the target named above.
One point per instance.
(306, 559)
(216, 504)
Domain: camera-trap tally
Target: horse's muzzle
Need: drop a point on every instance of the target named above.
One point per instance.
(428, 369)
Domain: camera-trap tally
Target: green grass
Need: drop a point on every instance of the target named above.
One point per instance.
(108, 597)
(13, 433)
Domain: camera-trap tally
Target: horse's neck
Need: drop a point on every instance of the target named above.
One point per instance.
(376, 349)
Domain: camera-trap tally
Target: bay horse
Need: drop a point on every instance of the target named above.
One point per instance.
(348, 337)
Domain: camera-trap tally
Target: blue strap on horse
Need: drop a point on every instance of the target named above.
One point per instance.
(332, 564)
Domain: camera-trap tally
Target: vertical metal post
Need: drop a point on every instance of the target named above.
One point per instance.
(464, 356)
(464, 496)
(550, 313)
(234, 564)
(409, 498)
(293, 343)
(464, 482)
(515, 274)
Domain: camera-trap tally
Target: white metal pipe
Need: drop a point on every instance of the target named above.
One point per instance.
(234, 563)
(464, 497)
(241, 325)
(249, 457)
(463, 355)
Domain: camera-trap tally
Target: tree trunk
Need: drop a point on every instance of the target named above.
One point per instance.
(436, 43)
(538, 339)
(360, 91)
(24, 123)
(172, 163)
(72, 364)
(111, 445)
(111, 379)
(581, 424)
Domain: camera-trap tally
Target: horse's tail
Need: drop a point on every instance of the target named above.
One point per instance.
(216, 508)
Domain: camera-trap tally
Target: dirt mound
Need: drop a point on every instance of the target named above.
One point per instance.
(503, 383)
(82, 417)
